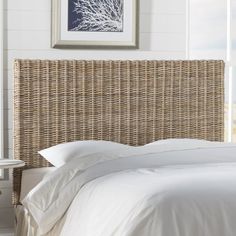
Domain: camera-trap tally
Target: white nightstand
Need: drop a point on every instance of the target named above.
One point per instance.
(10, 164)
(6, 209)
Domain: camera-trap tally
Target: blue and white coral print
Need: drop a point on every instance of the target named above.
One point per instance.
(95, 15)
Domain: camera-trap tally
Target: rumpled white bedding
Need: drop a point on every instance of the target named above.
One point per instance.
(151, 190)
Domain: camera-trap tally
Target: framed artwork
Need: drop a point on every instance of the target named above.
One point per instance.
(94, 23)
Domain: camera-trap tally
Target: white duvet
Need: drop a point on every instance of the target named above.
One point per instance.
(146, 191)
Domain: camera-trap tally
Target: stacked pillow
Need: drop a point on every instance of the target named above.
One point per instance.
(92, 152)
(63, 153)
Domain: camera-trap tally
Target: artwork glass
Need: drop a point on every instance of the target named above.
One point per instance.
(96, 15)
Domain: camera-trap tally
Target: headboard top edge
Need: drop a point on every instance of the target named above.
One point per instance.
(115, 60)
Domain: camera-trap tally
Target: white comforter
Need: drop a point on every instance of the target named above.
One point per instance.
(147, 191)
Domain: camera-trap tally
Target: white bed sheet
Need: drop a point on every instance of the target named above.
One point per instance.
(26, 227)
(31, 177)
(150, 192)
(29, 180)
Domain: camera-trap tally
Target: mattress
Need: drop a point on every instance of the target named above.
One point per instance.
(31, 177)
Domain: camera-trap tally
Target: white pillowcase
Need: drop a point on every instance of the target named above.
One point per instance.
(100, 150)
(183, 141)
(62, 153)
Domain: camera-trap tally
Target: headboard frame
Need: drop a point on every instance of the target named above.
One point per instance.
(131, 102)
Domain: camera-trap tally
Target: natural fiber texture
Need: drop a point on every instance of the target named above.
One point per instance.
(131, 102)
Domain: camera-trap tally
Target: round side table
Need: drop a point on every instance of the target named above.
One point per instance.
(10, 164)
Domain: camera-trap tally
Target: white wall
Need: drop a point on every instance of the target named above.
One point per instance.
(27, 34)
(1, 84)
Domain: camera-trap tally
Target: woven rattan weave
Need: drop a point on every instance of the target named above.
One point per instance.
(132, 102)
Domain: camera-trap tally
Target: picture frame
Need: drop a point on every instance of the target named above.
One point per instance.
(116, 26)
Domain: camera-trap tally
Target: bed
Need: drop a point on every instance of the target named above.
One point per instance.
(128, 102)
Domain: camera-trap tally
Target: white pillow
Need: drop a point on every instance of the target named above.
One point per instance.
(166, 145)
(183, 141)
(62, 153)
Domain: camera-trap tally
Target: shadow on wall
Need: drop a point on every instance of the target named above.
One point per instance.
(145, 22)
(6, 90)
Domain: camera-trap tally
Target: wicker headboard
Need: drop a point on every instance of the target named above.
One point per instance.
(132, 102)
